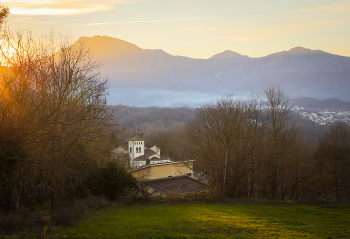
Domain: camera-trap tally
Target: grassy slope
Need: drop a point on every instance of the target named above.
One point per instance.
(215, 221)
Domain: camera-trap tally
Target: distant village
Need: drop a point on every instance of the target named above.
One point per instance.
(326, 117)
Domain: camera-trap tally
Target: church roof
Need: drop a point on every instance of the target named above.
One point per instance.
(155, 146)
(149, 152)
(136, 138)
(140, 158)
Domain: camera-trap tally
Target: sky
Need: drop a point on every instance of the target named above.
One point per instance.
(194, 28)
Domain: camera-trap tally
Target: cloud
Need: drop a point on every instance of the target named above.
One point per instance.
(145, 21)
(57, 7)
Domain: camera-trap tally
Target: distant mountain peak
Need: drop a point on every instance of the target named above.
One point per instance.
(109, 46)
(301, 50)
(105, 39)
(227, 54)
(160, 51)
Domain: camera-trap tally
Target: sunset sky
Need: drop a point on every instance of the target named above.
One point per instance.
(195, 28)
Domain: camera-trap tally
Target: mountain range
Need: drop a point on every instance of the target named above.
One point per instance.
(143, 77)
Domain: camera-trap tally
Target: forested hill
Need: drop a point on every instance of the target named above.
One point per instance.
(152, 118)
(167, 118)
(150, 121)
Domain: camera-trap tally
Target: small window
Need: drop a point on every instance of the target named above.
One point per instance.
(130, 149)
(137, 150)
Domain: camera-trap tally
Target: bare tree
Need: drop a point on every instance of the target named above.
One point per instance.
(223, 138)
(4, 12)
(53, 94)
(281, 139)
(333, 159)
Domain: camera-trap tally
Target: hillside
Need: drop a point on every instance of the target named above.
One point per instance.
(209, 220)
(152, 118)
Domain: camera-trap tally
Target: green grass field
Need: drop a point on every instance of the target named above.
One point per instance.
(287, 220)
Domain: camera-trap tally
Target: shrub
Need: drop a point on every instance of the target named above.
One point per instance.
(94, 202)
(112, 182)
(24, 219)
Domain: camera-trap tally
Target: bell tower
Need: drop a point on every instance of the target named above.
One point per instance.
(136, 147)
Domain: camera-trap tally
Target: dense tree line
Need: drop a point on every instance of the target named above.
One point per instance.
(332, 159)
(255, 148)
(156, 122)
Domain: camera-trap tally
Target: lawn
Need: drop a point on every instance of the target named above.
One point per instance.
(287, 220)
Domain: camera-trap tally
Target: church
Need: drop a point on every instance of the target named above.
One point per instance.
(159, 174)
(141, 156)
